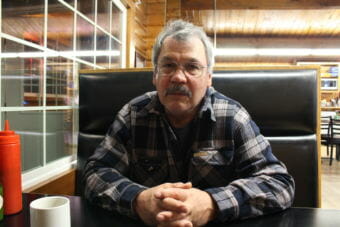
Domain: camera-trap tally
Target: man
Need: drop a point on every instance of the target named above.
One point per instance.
(186, 154)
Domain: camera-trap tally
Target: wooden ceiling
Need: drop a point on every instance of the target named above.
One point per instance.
(266, 24)
(234, 23)
(292, 18)
(269, 23)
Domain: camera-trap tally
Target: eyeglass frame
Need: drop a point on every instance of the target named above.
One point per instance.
(182, 68)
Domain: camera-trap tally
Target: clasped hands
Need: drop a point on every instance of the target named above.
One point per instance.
(175, 205)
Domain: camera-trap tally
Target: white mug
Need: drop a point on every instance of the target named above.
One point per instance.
(52, 211)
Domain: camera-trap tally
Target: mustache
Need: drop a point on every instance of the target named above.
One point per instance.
(178, 89)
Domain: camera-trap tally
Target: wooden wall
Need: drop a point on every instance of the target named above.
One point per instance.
(139, 30)
(136, 30)
(63, 184)
(146, 18)
(155, 21)
(253, 20)
(173, 10)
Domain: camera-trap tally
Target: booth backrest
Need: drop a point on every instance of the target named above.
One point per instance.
(282, 101)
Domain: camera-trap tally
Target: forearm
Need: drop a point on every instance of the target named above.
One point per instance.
(253, 196)
(107, 188)
(262, 183)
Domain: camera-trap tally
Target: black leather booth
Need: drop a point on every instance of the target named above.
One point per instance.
(282, 101)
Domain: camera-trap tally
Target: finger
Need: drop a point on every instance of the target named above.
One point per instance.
(184, 223)
(175, 205)
(174, 193)
(165, 216)
(178, 223)
(169, 216)
(187, 185)
(177, 185)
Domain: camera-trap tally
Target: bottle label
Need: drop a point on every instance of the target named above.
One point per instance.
(1, 202)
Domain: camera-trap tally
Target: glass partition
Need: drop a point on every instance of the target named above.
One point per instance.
(24, 20)
(43, 45)
(85, 39)
(21, 75)
(60, 38)
(29, 126)
(59, 137)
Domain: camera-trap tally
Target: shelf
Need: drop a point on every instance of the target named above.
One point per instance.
(330, 108)
(329, 91)
(329, 71)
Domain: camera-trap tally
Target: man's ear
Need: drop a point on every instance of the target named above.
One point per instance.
(209, 79)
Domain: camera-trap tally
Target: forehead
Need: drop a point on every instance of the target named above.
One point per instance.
(191, 49)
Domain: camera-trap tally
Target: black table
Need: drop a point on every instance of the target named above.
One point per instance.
(85, 215)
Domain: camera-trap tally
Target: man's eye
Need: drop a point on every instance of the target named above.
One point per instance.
(169, 65)
(192, 67)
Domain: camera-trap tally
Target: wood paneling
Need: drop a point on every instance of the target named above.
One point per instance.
(130, 37)
(303, 21)
(155, 21)
(252, 24)
(294, 23)
(260, 4)
(63, 184)
(136, 30)
(277, 42)
(155, 8)
(153, 30)
(173, 9)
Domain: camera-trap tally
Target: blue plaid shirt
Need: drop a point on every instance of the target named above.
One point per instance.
(228, 158)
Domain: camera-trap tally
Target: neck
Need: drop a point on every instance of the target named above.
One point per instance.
(180, 121)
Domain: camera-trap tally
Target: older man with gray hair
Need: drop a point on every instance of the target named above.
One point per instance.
(186, 154)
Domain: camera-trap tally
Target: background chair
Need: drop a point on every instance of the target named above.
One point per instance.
(326, 131)
(334, 139)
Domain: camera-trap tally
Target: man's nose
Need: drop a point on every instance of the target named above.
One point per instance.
(179, 76)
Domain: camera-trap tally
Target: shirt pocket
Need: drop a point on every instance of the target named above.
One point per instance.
(211, 168)
(212, 157)
(150, 171)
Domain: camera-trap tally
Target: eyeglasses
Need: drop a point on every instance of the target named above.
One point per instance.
(189, 69)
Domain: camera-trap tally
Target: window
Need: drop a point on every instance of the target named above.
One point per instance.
(42, 49)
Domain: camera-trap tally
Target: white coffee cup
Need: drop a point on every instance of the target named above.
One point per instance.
(52, 211)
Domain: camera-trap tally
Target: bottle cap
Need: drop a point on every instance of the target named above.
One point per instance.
(8, 136)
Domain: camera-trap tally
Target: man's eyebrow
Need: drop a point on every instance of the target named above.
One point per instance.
(193, 60)
(190, 60)
(166, 58)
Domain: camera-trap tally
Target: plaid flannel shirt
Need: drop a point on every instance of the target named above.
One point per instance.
(229, 159)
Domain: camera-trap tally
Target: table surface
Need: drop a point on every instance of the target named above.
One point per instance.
(85, 215)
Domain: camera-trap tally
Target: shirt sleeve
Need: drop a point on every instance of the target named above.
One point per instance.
(105, 171)
(263, 184)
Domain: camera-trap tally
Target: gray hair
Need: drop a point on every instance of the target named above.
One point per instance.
(182, 30)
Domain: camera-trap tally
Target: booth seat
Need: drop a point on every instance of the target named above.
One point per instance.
(282, 101)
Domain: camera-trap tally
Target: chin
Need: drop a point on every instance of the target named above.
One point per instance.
(178, 109)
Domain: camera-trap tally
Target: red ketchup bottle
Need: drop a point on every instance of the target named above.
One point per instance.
(10, 170)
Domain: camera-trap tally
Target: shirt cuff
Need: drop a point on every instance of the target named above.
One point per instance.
(226, 204)
(127, 199)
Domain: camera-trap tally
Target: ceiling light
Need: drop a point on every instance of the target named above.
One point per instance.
(235, 52)
(326, 52)
(60, 54)
(276, 52)
(283, 52)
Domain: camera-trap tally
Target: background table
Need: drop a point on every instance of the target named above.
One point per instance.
(85, 215)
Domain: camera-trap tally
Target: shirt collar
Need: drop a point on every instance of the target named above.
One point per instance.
(207, 108)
